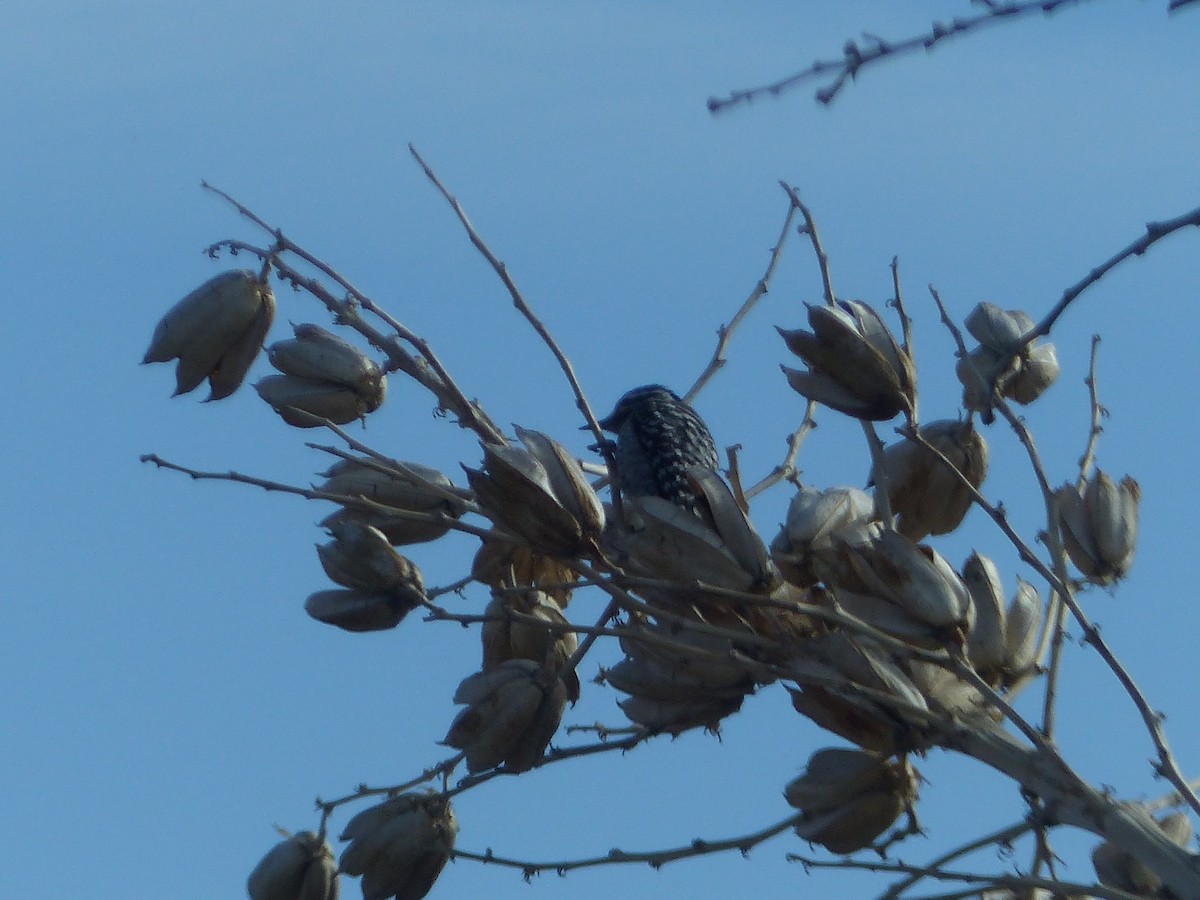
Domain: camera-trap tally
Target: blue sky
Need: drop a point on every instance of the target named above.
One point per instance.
(169, 700)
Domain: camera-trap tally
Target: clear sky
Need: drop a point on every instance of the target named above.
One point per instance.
(167, 699)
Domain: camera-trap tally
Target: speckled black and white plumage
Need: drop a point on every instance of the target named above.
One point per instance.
(658, 438)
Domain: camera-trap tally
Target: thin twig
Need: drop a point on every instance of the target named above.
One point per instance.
(1000, 837)
(855, 57)
(814, 236)
(654, 858)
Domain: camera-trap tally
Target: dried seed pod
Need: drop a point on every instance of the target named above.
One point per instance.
(824, 669)
(1115, 868)
(1100, 526)
(400, 846)
(855, 364)
(1038, 370)
(215, 332)
(850, 797)
(324, 376)
(298, 400)
(813, 516)
(505, 639)
(1022, 624)
(502, 565)
(512, 713)
(405, 487)
(927, 496)
(987, 646)
(914, 578)
(298, 868)
(1004, 362)
(677, 716)
(518, 493)
(361, 557)
(360, 611)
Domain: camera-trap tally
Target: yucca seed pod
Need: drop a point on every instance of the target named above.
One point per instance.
(987, 647)
(502, 565)
(216, 332)
(997, 329)
(848, 798)
(315, 354)
(360, 557)
(517, 493)
(1099, 527)
(677, 716)
(1023, 623)
(298, 400)
(926, 495)
(512, 713)
(667, 542)
(567, 482)
(400, 846)
(1038, 370)
(1116, 868)
(405, 487)
(504, 638)
(914, 578)
(813, 516)
(353, 610)
(298, 868)
(1003, 362)
(822, 670)
(855, 364)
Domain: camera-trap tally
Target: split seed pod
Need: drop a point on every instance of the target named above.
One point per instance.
(298, 868)
(504, 638)
(1100, 526)
(927, 496)
(400, 846)
(539, 494)
(856, 366)
(850, 797)
(1022, 377)
(215, 332)
(1115, 868)
(512, 713)
(813, 516)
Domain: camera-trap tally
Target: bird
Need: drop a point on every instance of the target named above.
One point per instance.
(659, 437)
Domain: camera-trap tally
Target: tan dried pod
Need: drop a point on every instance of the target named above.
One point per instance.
(512, 713)
(360, 611)
(848, 798)
(827, 672)
(360, 557)
(319, 355)
(987, 646)
(501, 564)
(856, 365)
(405, 487)
(1023, 623)
(669, 542)
(1100, 527)
(927, 496)
(298, 868)
(1036, 372)
(400, 846)
(504, 638)
(677, 716)
(215, 332)
(916, 579)
(567, 481)
(298, 401)
(813, 516)
(996, 329)
(516, 492)
(1116, 868)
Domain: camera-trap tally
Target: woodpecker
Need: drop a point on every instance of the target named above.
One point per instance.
(658, 438)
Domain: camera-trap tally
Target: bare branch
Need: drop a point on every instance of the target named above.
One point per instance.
(855, 57)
